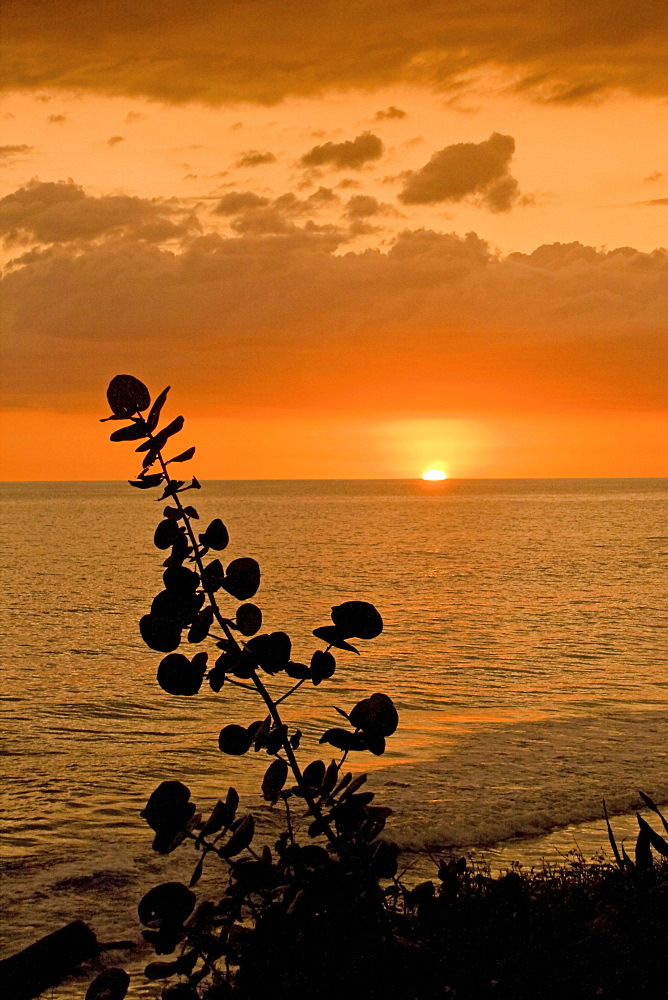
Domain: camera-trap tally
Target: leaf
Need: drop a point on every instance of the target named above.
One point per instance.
(232, 802)
(276, 739)
(156, 409)
(169, 806)
(161, 970)
(274, 778)
(220, 817)
(249, 619)
(651, 805)
(323, 666)
(216, 535)
(171, 902)
(329, 781)
(357, 618)
(110, 985)
(166, 534)
(146, 482)
(314, 774)
(271, 652)
(158, 442)
(200, 627)
(331, 635)
(342, 739)
(241, 838)
(295, 739)
(177, 675)
(643, 852)
(213, 576)
(354, 784)
(234, 740)
(242, 578)
(376, 715)
(185, 456)
(657, 841)
(260, 733)
(160, 634)
(197, 874)
(180, 578)
(191, 512)
(126, 396)
(611, 838)
(299, 671)
(131, 433)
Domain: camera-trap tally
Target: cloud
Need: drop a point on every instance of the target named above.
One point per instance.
(279, 316)
(259, 216)
(133, 117)
(388, 113)
(263, 51)
(11, 152)
(654, 201)
(352, 154)
(254, 158)
(463, 169)
(360, 206)
(656, 175)
(236, 201)
(56, 119)
(61, 212)
(114, 140)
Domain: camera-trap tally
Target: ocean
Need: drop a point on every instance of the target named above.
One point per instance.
(525, 647)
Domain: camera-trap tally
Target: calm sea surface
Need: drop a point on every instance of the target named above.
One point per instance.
(525, 646)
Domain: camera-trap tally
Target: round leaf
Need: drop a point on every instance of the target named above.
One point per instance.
(323, 666)
(242, 578)
(166, 534)
(234, 740)
(216, 535)
(249, 619)
(177, 675)
(171, 902)
(126, 395)
(271, 652)
(375, 715)
(357, 618)
(169, 806)
(110, 985)
(161, 634)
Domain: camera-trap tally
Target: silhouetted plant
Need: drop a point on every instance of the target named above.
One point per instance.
(306, 916)
(293, 915)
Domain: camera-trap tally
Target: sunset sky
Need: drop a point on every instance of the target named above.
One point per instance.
(359, 239)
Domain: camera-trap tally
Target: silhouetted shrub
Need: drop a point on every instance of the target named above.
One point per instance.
(322, 912)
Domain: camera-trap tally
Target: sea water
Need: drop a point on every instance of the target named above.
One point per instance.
(525, 647)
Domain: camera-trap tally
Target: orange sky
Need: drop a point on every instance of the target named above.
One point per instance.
(358, 239)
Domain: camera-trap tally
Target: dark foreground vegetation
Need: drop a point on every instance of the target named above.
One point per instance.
(322, 911)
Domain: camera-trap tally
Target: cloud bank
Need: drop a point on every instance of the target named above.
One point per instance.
(216, 50)
(439, 323)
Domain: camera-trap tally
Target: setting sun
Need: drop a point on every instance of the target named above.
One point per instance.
(434, 474)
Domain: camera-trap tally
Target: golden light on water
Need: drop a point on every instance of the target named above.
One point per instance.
(434, 475)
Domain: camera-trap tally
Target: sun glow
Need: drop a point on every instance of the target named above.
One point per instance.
(434, 475)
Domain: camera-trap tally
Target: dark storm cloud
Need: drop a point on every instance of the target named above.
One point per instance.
(466, 168)
(263, 50)
(351, 154)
